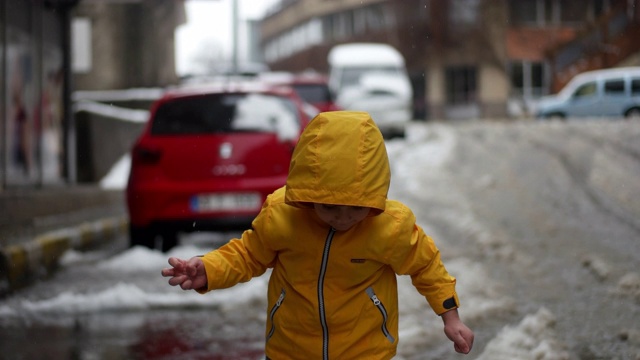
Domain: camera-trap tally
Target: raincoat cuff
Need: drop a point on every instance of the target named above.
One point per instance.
(444, 304)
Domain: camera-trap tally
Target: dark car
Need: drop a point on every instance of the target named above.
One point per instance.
(208, 158)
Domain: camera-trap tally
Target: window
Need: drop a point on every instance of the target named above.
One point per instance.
(359, 21)
(528, 79)
(614, 87)
(81, 45)
(351, 75)
(544, 12)
(573, 11)
(464, 12)
(588, 89)
(342, 25)
(635, 87)
(537, 78)
(313, 93)
(461, 84)
(517, 77)
(523, 11)
(225, 113)
(375, 18)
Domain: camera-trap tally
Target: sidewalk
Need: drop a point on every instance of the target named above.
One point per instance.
(37, 226)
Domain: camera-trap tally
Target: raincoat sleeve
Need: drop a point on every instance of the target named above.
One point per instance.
(240, 259)
(414, 253)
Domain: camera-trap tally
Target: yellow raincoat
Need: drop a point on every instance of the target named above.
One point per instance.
(333, 294)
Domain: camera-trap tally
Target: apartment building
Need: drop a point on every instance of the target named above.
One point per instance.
(466, 58)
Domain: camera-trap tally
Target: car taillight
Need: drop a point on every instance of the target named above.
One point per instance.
(146, 155)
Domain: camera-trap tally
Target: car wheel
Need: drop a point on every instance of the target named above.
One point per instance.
(393, 133)
(633, 114)
(169, 240)
(555, 117)
(141, 236)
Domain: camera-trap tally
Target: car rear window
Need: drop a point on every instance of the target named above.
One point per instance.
(227, 113)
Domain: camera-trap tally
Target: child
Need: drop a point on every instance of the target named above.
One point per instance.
(335, 244)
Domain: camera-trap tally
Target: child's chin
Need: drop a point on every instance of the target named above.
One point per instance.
(343, 228)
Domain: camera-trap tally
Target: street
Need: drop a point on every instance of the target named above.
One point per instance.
(539, 222)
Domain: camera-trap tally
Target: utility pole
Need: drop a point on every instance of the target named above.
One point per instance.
(234, 20)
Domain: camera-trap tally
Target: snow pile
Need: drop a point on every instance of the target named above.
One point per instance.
(129, 297)
(629, 285)
(117, 177)
(123, 114)
(532, 339)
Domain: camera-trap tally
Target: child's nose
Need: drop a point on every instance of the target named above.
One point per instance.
(344, 213)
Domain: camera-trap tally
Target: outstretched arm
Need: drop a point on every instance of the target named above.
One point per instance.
(457, 332)
(189, 274)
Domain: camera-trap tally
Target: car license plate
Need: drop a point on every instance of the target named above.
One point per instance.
(226, 202)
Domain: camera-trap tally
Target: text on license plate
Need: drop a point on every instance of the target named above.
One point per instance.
(221, 202)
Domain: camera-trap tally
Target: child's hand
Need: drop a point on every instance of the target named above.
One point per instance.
(461, 336)
(189, 274)
(457, 332)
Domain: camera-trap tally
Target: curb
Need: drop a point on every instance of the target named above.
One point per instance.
(23, 263)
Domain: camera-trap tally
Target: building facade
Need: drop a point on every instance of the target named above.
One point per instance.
(127, 44)
(466, 58)
(34, 123)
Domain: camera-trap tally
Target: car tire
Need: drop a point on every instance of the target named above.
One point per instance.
(169, 240)
(390, 134)
(555, 117)
(141, 236)
(633, 114)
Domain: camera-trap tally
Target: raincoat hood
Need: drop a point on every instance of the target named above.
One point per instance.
(340, 159)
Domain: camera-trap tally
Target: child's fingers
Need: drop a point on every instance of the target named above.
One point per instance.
(175, 262)
(177, 280)
(187, 285)
(460, 344)
(166, 272)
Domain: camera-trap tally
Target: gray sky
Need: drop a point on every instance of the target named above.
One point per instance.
(209, 24)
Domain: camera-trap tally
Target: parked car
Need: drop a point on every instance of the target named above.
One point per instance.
(311, 87)
(601, 93)
(372, 77)
(208, 158)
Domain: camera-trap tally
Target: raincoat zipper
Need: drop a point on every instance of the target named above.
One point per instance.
(272, 313)
(323, 317)
(383, 311)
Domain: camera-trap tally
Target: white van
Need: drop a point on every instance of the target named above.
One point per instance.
(611, 93)
(372, 77)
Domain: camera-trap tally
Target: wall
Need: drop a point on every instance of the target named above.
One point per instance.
(132, 43)
(97, 153)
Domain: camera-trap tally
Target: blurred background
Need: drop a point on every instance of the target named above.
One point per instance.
(468, 59)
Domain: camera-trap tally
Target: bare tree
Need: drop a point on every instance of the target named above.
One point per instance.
(209, 57)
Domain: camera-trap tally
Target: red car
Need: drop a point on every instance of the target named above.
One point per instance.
(313, 88)
(208, 158)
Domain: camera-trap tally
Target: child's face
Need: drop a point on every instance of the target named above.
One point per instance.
(341, 217)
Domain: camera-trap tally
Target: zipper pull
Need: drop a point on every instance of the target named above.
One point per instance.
(375, 300)
(279, 302)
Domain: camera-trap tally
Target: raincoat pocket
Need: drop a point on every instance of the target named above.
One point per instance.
(273, 311)
(374, 298)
